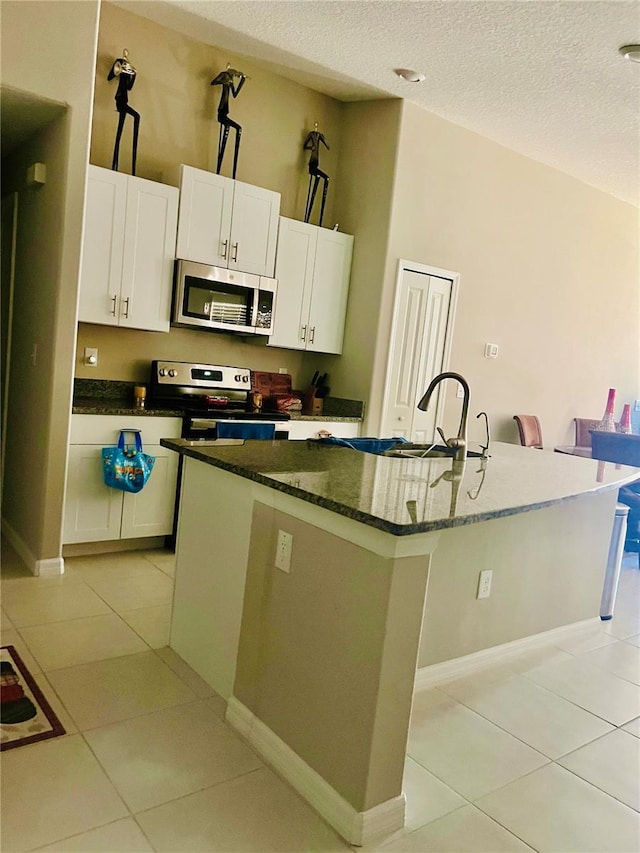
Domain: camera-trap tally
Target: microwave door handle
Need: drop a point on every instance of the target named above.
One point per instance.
(254, 311)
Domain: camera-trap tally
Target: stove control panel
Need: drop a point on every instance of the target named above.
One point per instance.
(194, 375)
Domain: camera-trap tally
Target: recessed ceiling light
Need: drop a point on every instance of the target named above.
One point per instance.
(409, 75)
(630, 51)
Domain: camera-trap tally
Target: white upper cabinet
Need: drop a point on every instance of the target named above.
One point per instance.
(227, 223)
(313, 266)
(128, 251)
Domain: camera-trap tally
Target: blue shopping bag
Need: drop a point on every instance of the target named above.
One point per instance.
(126, 466)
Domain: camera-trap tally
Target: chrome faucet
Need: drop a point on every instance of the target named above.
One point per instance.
(485, 447)
(459, 443)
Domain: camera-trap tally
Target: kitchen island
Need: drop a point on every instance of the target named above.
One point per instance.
(318, 657)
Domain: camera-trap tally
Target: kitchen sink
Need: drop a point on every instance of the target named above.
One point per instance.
(426, 451)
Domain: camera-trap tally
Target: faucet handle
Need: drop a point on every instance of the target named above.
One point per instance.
(442, 436)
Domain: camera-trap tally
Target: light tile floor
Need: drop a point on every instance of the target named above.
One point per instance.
(539, 753)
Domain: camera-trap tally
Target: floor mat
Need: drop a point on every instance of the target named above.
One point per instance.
(25, 714)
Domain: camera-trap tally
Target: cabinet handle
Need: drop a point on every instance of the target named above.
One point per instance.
(225, 243)
(234, 247)
(303, 336)
(125, 313)
(312, 334)
(114, 300)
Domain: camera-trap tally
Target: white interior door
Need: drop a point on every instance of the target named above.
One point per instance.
(420, 336)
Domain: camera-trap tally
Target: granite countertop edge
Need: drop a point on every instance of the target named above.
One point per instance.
(377, 522)
(102, 408)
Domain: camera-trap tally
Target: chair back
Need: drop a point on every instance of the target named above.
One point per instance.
(529, 430)
(583, 436)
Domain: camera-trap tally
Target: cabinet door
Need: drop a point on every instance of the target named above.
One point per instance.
(92, 510)
(254, 229)
(102, 246)
(294, 272)
(204, 219)
(149, 244)
(328, 308)
(150, 512)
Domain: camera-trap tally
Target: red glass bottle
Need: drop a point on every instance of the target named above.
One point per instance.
(625, 420)
(608, 424)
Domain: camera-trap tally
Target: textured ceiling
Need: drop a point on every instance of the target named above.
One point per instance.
(542, 77)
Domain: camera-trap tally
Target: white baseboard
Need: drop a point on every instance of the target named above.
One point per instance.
(429, 676)
(356, 827)
(39, 568)
(82, 549)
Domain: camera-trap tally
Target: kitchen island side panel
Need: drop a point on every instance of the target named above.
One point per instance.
(548, 570)
(328, 653)
(211, 557)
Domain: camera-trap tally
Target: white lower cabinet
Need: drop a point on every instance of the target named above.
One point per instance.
(95, 513)
(310, 429)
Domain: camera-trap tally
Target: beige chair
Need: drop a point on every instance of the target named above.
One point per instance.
(583, 436)
(530, 430)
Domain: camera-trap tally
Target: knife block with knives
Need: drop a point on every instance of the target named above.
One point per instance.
(313, 399)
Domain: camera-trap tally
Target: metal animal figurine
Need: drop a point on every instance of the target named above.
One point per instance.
(312, 143)
(126, 74)
(226, 79)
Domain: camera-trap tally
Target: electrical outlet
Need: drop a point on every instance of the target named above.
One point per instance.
(91, 356)
(283, 551)
(484, 584)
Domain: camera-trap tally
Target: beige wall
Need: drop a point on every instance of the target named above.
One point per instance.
(327, 653)
(548, 571)
(126, 354)
(549, 266)
(178, 125)
(549, 271)
(370, 138)
(48, 51)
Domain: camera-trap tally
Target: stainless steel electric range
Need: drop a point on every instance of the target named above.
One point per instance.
(209, 394)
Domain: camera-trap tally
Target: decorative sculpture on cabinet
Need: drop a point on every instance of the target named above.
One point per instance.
(126, 74)
(312, 143)
(226, 80)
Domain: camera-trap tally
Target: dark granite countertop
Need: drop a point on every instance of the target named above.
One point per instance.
(119, 407)
(325, 418)
(112, 397)
(407, 496)
(124, 407)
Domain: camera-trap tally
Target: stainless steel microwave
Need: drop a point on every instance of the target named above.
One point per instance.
(215, 298)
